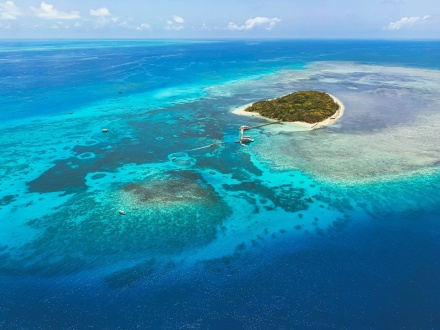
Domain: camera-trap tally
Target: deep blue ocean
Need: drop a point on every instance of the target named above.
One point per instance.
(332, 228)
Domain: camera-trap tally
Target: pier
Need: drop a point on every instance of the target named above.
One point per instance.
(261, 125)
(244, 139)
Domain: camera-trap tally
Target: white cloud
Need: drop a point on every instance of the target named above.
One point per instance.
(48, 11)
(60, 25)
(100, 12)
(8, 10)
(208, 27)
(406, 21)
(124, 24)
(143, 27)
(205, 27)
(178, 19)
(174, 27)
(102, 17)
(175, 24)
(254, 22)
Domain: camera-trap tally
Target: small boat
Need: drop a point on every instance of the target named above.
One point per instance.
(244, 127)
(246, 139)
(122, 212)
(104, 130)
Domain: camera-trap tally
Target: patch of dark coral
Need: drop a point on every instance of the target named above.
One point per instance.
(287, 197)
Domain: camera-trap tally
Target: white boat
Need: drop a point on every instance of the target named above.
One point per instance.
(121, 212)
(246, 139)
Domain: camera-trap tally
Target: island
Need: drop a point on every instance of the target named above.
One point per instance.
(311, 109)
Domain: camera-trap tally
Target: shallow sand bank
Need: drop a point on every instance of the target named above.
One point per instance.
(296, 125)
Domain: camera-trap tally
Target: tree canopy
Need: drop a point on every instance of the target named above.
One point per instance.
(306, 106)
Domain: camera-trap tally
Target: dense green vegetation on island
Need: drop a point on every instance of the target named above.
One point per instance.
(306, 106)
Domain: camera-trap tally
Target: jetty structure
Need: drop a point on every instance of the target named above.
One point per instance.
(246, 139)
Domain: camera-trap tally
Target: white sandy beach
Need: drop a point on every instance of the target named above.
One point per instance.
(296, 125)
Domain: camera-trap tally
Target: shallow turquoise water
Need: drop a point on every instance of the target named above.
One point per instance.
(323, 228)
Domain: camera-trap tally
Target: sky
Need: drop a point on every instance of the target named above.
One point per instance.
(79, 19)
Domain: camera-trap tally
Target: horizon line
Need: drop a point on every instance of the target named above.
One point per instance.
(227, 38)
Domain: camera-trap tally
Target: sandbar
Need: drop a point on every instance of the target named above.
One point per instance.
(297, 124)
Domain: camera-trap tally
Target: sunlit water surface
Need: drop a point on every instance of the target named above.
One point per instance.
(330, 228)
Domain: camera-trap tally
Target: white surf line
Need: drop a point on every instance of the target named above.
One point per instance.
(198, 148)
(210, 145)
